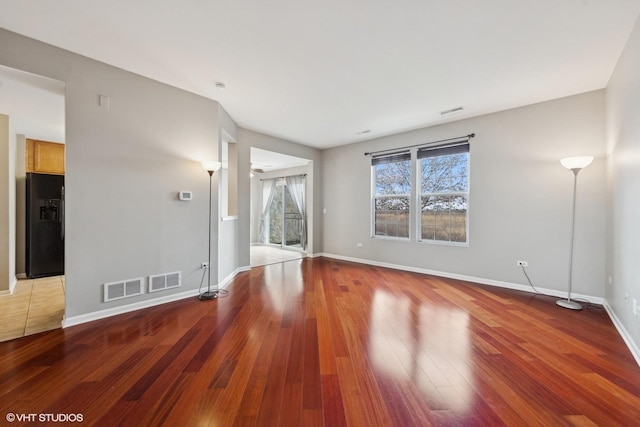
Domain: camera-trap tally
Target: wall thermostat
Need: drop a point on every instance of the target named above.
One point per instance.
(185, 195)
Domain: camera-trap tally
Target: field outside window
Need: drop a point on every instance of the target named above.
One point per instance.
(392, 195)
(444, 189)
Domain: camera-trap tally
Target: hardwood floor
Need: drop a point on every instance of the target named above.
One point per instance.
(324, 342)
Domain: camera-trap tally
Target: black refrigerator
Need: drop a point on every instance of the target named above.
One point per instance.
(45, 225)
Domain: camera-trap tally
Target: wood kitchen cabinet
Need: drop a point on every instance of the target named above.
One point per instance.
(45, 157)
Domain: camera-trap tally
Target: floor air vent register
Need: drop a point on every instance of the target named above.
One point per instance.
(132, 287)
(161, 282)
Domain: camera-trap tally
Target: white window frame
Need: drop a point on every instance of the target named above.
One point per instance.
(408, 196)
(420, 194)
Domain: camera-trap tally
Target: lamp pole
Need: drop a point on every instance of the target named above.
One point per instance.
(575, 165)
(210, 167)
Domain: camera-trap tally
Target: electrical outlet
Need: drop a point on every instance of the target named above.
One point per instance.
(626, 298)
(522, 263)
(635, 307)
(204, 265)
(359, 245)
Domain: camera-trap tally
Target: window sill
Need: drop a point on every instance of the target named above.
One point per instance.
(444, 243)
(398, 239)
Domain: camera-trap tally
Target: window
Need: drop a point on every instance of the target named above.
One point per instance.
(444, 192)
(392, 194)
(439, 197)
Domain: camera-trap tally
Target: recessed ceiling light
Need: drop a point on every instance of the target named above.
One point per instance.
(362, 132)
(451, 111)
(221, 86)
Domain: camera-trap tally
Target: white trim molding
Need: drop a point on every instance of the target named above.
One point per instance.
(479, 280)
(224, 282)
(13, 284)
(631, 345)
(103, 314)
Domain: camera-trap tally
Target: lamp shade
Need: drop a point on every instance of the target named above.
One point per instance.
(211, 165)
(576, 162)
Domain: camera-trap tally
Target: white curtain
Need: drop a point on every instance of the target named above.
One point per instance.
(268, 191)
(296, 187)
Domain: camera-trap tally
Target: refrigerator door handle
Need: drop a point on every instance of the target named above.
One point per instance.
(62, 213)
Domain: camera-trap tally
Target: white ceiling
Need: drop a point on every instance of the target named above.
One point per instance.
(34, 103)
(320, 72)
(269, 160)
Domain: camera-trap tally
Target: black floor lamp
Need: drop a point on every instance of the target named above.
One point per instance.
(574, 164)
(210, 166)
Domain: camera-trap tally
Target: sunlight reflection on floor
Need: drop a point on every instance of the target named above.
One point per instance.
(410, 342)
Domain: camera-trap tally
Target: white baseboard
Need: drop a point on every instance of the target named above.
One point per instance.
(13, 284)
(89, 317)
(480, 280)
(233, 274)
(12, 287)
(102, 314)
(631, 345)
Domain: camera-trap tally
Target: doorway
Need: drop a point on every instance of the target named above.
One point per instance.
(35, 106)
(280, 227)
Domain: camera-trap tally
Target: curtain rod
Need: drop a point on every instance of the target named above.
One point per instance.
(280, 177)
(468, 137)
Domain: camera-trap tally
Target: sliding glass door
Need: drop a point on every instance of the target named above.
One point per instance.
(285, 220)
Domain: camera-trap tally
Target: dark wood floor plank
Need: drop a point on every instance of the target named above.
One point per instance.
(356, 408)
(332, 403)
(255, 384)
(332, 343)
(271, 405)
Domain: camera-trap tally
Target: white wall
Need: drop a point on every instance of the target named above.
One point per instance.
(520, 198)
(5, 208)
(255, 209)
(228, 255)
(228, 260)
(21, 204)
(125, 166)
(12, 153)
(623, 144)
(8, 147)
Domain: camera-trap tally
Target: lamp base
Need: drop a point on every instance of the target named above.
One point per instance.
(567, 303)
(208, 295)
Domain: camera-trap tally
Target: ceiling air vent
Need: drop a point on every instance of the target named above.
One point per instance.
(451, 111)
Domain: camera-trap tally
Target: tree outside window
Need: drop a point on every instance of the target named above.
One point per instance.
(444, 193)
(392, 195)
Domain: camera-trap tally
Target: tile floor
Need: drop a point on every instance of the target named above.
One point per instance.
(36, 305)
(263, 255)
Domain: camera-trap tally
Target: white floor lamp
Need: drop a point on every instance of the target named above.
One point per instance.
(574, 164)
(210, 166)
